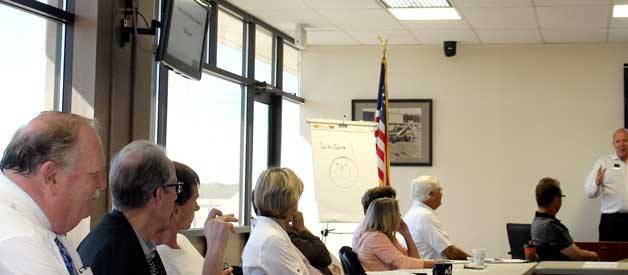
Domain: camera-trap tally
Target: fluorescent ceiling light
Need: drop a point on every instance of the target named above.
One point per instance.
(620, 11)
(425, 13)
(416, 3)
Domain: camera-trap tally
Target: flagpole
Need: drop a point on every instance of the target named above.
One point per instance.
(384, 43)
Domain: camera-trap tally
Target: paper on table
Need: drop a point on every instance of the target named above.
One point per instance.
(599, 265)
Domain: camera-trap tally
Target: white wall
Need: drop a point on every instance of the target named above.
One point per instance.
(504, 116)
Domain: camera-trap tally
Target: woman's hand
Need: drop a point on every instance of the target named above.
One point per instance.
(407, 237)
(403, 228)
(297, 222)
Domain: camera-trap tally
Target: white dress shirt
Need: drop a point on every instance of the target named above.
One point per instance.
(270, 251)
(26, 239)
(614, 188)
(183, 261)
(427, 232)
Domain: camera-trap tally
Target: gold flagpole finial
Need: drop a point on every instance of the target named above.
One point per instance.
(383, 42)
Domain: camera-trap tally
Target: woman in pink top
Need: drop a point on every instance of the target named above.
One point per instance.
(377, 248)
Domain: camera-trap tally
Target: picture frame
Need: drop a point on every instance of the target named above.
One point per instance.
(409, 128)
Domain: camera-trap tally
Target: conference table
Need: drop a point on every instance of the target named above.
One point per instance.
(491, 269)
(578, 268)
(533, 268)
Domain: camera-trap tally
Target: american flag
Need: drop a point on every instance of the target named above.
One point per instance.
(381, 133)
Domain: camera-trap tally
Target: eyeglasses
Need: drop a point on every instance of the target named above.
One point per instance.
(178, 187)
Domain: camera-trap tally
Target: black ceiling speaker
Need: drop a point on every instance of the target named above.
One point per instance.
(450, 48)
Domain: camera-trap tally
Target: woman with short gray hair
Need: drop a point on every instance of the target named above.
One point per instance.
(269, 249)
(277, 193)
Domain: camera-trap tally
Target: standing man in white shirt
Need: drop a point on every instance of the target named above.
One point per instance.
(428, 233)
(52, 170)
(609, 179)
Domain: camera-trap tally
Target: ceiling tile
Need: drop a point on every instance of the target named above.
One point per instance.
(249, 5)
(355, 22)
(574, 35)
(436, 24)
(573, 16)
(617, 23)
(509, 36)
(438, 36)
(500, 18)
(618, 35)
(570, 2)
(394, 37)
(491, 3)
(287, 19)
(341, 4)
(361, 19)
(329, 38)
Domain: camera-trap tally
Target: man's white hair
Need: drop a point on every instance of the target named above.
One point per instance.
(422, 187)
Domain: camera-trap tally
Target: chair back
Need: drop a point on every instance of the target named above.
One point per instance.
(518, 235)
(350, 263)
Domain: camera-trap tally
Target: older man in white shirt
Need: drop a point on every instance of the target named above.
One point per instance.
(52, 170)
(428, 233)
(609, 179)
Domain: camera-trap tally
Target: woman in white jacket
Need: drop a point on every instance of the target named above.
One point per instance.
(269, 249)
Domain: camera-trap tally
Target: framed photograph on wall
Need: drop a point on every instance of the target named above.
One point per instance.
(409, 128)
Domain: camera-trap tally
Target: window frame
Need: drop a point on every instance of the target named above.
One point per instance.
(254, 91)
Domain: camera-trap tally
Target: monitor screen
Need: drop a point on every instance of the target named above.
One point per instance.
(183, 37)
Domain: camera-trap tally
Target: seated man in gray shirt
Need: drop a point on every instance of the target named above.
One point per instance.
(549, 235)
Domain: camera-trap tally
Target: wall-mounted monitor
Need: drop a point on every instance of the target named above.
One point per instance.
(183, 36)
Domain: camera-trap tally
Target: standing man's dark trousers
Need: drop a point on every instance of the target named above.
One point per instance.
(614, 227)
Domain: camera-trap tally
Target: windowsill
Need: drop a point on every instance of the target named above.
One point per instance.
(198, 232)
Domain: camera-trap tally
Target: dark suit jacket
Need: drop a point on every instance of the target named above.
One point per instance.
(112, 248)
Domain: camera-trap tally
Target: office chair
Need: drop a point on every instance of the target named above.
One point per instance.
(518, 235)
(350, 263)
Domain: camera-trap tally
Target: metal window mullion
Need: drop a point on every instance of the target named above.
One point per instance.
(162, 105)
(247, 198)
(212, 43)
(226, 75)
(248, 54)
(279, 63)
(273, 65)
(58, 86)
(249, 72)
(274, 131)
(275, 108)
(66, 91)
(68, 53)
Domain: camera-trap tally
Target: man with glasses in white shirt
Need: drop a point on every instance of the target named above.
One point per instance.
(52, 170)
(609, 179)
